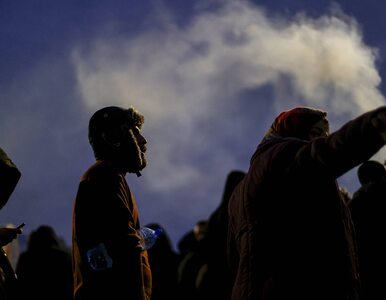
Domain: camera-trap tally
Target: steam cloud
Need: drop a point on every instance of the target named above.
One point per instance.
(179, 76)
(208, 88)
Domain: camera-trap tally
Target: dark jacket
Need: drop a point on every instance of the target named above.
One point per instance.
(9, 177)
(106, 214)
(368, 208)
(290, 232)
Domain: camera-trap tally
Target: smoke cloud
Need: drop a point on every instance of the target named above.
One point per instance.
(209, 80)
(180, 77)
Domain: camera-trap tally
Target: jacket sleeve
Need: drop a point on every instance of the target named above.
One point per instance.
(355, 142)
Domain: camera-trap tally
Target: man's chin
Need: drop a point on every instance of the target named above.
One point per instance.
(137, 168)
(143, 166)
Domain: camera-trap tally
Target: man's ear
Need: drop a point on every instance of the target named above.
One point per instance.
(112, 138)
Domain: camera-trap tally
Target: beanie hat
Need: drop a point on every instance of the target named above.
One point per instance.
(111, 118)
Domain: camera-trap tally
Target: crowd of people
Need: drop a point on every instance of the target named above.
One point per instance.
(284, 228)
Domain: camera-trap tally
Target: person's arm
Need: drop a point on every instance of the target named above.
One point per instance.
(355, 142)
(9, 177)
(7, 235)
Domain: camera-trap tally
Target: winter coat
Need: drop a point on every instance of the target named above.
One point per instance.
(108, 262)
(368, 209)
(9, 177)
(290, 232)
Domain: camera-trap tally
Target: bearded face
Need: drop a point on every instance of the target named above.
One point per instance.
(132, 149)
(114, 134)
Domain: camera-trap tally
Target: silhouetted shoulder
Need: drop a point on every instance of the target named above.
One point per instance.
(101, 170)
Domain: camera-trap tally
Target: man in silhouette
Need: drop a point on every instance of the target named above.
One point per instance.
(9, 177)
(108, 262)
(368, 207)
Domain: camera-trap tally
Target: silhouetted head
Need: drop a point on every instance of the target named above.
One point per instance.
(114, 134)
(233, 179)
(300, 122)
(371, 171)
(43, 237)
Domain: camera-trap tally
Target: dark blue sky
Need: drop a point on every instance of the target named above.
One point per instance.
(209, 76)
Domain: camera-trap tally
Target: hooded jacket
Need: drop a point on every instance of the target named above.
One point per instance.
(9, 177)
(290, 232)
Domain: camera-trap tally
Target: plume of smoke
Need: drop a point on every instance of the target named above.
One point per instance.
(180, 76)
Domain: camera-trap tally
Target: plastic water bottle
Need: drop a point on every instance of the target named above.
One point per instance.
(148, 236)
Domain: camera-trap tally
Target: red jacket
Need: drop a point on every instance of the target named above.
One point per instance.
(290, 232)
(105, 213)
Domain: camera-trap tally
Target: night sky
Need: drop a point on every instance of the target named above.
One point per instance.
(209, 76)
